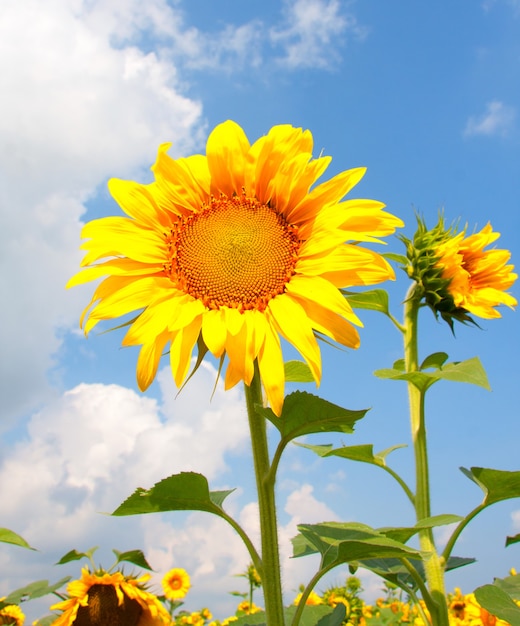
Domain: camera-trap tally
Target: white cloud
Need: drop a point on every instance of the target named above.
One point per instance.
(90, 449)
(497, 120)
(313, 32)
(78, 105)
(515, 516)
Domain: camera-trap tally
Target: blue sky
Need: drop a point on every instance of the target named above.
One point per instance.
(425, 95)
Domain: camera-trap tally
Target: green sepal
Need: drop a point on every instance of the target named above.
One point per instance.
(74, 555)
(374, 300)
(397, 258)
(340, 542)
(187, 491)
(9, 536)
(470, 371)
(305, 414)
(34, 590)
(511, 540)
(499, 597)
(497, 485)
(298, 372)
(136, 557)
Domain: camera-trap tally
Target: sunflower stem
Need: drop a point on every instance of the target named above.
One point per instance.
(270, 574)
(433, 563)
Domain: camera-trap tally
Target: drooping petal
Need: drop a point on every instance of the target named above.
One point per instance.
(148, 360)
(291, 322)
(272, 373)
(181, 349)
(319, 290)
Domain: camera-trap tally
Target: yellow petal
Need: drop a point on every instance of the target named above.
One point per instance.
(114, 267)
(329, 192)
(226, 151)
(214, 331)
(156, 318)
(148, 360)
(330, 324)
(182, 185)
(138, 202)
(181, 349)
(272, 373)
(291, 322)
(321, 291)
(131, 297)
(121, 236)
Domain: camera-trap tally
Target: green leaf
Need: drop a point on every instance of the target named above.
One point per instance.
(311, 616)
(9, 536)
(436, 360)
(186, 491)
(394, 571)
(498, 603)
(298, 372)
(136, 557)
(335, 618)
(346, 542)
(497, 485)
(404, 533)
(305, 414)
(375, 300)
(511, 540)
(421, 380)
(34, 590)
(363, 453)
(74, 555)
(510, 584)
(470, 371)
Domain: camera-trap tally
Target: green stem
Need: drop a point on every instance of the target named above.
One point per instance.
(270, 572)
(433, 564)
(460, 527)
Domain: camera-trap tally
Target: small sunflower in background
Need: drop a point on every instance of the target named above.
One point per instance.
(11, 614)
(176, 584)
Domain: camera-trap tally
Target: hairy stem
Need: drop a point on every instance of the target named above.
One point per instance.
(433, 564)
(265, 481)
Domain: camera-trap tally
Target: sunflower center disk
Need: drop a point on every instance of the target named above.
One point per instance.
(236, 252)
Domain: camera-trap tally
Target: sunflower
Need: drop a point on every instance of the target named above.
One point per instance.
(101, 598)
(11, 615)
(478, 278)
(176, 584)
(231, 251)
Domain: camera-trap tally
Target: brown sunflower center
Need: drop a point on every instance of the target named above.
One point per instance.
(103, 609)
(236, 252)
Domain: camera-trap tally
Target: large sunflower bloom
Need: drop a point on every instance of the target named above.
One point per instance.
(11, 614)
(478, 278)
(101, 598)
(232, 250)
(176, 583)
